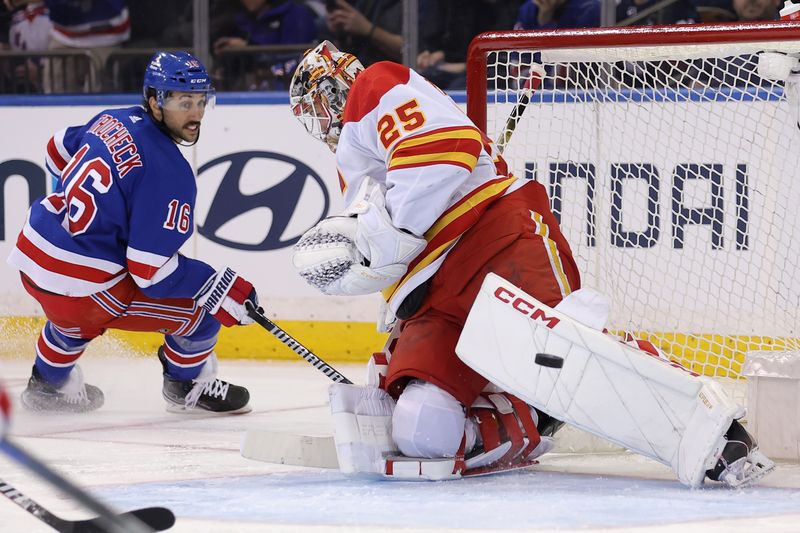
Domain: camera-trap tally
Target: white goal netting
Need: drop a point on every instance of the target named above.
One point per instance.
(675, 172)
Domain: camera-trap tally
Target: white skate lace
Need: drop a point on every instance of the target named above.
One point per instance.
(216, 388)
(74, 390)
(207, 383)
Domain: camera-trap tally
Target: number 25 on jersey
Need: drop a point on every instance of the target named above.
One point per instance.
(408, 115)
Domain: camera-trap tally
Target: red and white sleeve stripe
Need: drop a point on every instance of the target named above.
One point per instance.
(57, 156)
(147, 268)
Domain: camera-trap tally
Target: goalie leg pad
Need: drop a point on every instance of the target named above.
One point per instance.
(362, 427)
(507, 432)
(605, 387)
(500, 435)
(428, 421)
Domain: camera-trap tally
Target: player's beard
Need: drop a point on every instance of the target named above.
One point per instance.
(188, 135)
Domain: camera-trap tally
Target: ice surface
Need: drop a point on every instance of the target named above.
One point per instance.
(132, 453)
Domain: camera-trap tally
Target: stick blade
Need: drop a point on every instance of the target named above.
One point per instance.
(290, 449)
(156, 518)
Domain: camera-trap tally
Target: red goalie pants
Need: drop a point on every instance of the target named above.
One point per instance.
(518, 238)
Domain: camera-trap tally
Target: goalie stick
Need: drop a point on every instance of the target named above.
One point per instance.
(277, 447)
(296, 346)
(531, 86)
(143, 520)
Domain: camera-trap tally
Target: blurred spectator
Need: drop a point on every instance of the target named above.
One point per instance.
(160, 24)
(154, 24)
(715, 11)
(30, 25)
(98, 25)
(369, 29)
(29, 31)
(269, 22)
(550, 14)
(446, 29)
(680, 12)
(262, 22)
(546, 15)
(320, 14)
(5, 67)
(757, 9)
(222, 14)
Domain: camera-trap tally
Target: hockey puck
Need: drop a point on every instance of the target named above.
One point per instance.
(546, 359)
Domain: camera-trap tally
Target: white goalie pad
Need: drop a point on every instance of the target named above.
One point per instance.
(605, 387)
(362, 422)
(362, 427)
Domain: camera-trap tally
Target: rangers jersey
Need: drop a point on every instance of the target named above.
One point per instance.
(123, 206)
(439, 170)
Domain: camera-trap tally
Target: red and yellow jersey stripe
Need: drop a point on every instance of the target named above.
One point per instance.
(458, 145)
(451, 225)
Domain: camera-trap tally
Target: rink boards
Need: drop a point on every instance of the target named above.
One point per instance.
(262, 182)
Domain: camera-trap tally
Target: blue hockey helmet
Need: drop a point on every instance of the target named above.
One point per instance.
(177, 71)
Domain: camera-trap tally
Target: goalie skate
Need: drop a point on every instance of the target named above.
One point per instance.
(741, 463)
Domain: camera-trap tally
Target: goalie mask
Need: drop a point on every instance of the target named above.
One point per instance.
(319, 90)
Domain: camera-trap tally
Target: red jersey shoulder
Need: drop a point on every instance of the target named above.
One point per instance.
(371, 85)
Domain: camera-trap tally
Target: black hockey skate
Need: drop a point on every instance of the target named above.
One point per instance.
(74, 396)
(741, 463)
(203, 394)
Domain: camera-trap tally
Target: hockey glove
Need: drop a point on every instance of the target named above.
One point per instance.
(357, 254)
(224, 296)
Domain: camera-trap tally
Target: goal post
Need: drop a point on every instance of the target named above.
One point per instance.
(674, 170)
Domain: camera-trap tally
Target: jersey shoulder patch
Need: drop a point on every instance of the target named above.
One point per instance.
(370, 86)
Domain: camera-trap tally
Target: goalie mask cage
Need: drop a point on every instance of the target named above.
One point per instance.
(674, 170)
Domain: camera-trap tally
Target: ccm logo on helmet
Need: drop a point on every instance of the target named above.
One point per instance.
(525, 307)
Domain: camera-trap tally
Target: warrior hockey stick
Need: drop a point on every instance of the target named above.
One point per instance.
(138, 521)
(531, 86)
(291, 342)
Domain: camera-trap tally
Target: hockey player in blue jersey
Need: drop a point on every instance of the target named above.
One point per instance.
(101, 251)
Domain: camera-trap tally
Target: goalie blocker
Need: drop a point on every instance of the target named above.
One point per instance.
(640, 401)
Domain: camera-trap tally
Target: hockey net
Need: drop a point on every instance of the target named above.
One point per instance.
(674, 169)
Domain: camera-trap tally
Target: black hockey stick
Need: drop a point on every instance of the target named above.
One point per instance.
(531, 86)
(291, 342)
(138, 521)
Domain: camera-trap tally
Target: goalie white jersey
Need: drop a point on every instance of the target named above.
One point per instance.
(439, 170)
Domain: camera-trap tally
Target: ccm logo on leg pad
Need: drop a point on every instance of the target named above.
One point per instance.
(525, 307)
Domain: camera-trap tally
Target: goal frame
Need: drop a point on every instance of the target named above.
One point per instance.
(706, 348)
(769, 403)
(684, 34)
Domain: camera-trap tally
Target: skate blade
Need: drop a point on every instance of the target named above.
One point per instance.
(749, 471)
(180, 409)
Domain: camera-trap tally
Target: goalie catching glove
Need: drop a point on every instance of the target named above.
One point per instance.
(224, 296)
(360, 253)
